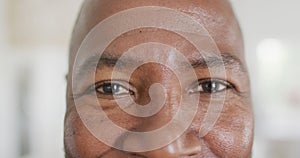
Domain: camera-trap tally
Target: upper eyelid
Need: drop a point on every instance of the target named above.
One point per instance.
(93, 87)
(128, 84)
(228, 84)
(200, 81)
(213, 80)
(130, 87)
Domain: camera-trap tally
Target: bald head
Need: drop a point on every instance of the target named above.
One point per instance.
(216, 16)
(231, 134)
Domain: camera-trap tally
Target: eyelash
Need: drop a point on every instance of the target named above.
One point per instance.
(126, 88)
(207, 86)
(203, 86)
(112, 87)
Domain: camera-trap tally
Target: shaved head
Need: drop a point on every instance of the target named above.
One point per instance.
(216, 15)
(232, 134)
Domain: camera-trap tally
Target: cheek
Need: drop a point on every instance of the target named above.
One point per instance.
(79, 142)
(232, 136)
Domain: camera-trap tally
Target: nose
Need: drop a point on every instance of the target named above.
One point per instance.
(188, 145)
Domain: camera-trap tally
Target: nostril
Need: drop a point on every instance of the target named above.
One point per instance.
(136, 155)
(192, 154)
(189, 156)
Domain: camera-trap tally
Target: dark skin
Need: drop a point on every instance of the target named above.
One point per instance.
(231, 136)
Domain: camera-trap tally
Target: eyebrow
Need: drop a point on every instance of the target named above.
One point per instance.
(227, 60)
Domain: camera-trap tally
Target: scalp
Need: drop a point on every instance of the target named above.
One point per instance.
(216, 16)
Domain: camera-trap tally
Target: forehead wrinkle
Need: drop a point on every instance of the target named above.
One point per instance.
(98, 10)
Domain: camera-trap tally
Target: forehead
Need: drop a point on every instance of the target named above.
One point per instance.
(215, 15)
(145, 35)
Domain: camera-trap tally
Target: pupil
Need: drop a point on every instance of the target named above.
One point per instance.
(110, 88)
(210, 87)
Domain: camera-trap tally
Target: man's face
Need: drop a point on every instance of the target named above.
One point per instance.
(106, 86)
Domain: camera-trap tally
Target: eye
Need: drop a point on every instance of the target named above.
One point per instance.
(211, 86)
(111, 88)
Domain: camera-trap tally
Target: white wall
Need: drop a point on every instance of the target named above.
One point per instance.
(8, 116)
(272, 38)
(33, 103)
(34, 37)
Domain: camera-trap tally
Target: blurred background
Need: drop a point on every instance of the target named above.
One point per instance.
(34, 38)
